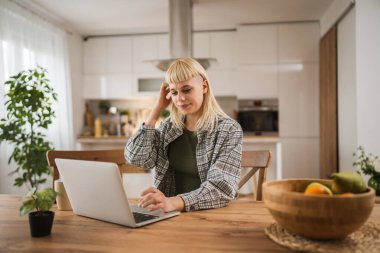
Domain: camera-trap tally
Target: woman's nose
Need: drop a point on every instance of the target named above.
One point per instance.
(181, 96)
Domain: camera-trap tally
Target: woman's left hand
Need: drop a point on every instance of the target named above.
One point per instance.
(154, 199)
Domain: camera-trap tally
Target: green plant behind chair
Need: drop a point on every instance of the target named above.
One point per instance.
(29, 100)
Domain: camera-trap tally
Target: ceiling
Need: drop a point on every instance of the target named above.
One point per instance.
(104, 17)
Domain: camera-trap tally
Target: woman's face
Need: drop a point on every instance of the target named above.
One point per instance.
(187, 96)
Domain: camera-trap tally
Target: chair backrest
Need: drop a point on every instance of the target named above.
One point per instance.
(256, 161)
(115, 156)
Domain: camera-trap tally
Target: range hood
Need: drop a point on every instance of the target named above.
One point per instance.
(180, 33)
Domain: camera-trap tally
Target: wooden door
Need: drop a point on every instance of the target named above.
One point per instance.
(328, 104)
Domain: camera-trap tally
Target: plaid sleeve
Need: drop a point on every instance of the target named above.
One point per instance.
(222, 177)
(141, 148)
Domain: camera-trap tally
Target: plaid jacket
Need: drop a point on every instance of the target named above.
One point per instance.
(218, 156)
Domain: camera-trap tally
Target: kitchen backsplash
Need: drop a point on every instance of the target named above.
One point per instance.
(123, 117)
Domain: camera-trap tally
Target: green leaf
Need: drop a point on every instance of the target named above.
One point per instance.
(27, 207)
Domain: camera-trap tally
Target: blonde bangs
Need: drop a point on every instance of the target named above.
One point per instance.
(183, 69)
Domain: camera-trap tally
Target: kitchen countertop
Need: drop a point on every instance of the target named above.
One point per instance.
(251, 138)
(108, 139)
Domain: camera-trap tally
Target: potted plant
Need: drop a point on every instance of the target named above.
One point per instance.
(28, 103)
(367, 165)
(41, 220)
(104, 106)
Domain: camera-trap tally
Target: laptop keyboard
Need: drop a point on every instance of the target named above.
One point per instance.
(140, 217)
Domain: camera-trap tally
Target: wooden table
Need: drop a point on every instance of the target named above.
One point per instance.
(236, 228)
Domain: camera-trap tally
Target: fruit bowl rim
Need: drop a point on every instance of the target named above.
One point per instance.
(369, 191)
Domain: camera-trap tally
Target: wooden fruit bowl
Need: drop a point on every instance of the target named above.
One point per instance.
(320, 217)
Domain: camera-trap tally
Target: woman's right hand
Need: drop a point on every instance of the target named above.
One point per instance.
(164, 98)
(162, 102)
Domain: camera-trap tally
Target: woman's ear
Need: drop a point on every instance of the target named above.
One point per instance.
(205, 86)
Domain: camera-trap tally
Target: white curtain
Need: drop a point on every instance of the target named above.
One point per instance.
(26, 41)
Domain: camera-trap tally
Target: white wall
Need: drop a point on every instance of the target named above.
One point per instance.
(75, 48)
(347, 114)
(332, 14)
(368, 74)
(359, 81)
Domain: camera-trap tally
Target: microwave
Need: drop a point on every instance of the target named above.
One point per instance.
(259, 117)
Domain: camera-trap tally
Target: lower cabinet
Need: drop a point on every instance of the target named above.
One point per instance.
(300, 157)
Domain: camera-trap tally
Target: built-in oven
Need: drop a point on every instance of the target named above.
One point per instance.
(259, 117)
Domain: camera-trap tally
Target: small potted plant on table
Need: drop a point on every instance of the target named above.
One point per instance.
(41, 220)
(29, 100)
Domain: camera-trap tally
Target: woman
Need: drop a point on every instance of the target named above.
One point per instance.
(196, 152)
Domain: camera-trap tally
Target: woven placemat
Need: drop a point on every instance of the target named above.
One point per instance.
(365, 240)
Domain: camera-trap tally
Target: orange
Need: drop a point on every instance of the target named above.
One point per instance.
(317, 189)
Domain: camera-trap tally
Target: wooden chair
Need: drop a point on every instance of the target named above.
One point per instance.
(116, 156)
(257, 161)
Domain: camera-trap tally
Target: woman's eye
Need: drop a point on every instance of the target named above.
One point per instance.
(186, 91)
(174, 93)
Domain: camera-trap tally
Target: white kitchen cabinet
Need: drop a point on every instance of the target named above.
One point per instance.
(95, 56)
(300, 157)
(119, 86)
(298, 42)
(257, 44)
(107, 86)
(119, 54)
(257, 81)
(94, 86)
(224, 82)
(201, 45)
(163, 46)
(144, 48)
(299, 100)
(223, 48)
(107, 68)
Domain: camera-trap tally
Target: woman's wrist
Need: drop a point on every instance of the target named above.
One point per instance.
(153, 117)
(178, 203)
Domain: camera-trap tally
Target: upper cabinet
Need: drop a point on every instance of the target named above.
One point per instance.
(107, 68)
(119, 55)
(95, 56)
(257, 61)
(257, 44)
(201, 45)
(257, 81)
(298, 43)
(163, 46)
(145, 48)
(223, 48)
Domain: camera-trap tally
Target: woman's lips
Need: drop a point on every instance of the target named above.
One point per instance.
(185, 106)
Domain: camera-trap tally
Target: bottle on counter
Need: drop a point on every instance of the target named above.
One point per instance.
(98, 127)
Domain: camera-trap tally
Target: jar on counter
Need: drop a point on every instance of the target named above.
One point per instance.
(98, 127)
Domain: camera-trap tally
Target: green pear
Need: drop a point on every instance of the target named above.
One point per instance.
(347, 181)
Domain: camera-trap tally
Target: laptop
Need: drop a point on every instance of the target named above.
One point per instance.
(95, 190)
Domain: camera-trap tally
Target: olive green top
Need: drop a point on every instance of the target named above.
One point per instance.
(182, 159)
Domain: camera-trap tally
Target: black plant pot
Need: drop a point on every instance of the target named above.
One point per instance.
(40, 223)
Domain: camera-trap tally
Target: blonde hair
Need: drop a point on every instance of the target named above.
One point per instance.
(184, 69)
